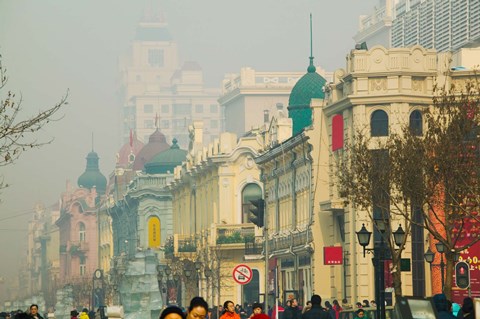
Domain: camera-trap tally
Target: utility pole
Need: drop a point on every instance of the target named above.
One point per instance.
(265, 237)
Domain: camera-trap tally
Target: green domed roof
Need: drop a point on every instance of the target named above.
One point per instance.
(92, 176)
(310, 86)
(167, 160)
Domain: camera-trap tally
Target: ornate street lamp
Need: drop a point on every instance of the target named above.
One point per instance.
(363, 236)
(430, 256)
(399, 236)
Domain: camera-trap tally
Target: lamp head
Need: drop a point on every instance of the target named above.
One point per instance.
(363, 236)
(429, 255)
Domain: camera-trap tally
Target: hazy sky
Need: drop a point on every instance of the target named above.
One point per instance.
(51, 46)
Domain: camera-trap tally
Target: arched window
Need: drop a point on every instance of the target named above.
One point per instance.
(250, 192)
(81, 232)
(379, 123)
(416, 123)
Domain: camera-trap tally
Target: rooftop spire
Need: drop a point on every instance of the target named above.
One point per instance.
(311, 68)
(92, 142)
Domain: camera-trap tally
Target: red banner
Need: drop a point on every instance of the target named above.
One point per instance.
(333, 255)
(472, 257)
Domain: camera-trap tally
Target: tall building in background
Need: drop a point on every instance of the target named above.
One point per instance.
(444, 25)
(158, 91)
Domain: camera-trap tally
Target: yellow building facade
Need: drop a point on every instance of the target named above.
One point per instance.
(211, 200)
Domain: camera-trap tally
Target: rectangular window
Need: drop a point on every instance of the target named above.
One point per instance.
(199, 108)
(165, 124)
(178, 123)
(213, 108)
(182, 109)
(155, 57)
(165, 108)
(148, 124)
(213, 124)
(148, 108)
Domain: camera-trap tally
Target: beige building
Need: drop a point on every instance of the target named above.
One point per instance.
(211, 200)
(380, 91)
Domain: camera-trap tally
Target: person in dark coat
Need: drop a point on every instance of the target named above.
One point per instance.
(441, 304)
(467, 311)
(292, 311)
(316, 312)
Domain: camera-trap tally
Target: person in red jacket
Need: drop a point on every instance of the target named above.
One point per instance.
(229, 313)
(258, 312)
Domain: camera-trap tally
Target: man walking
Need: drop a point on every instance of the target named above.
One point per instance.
(316, 312)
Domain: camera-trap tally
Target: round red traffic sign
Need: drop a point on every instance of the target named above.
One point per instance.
(242, 274)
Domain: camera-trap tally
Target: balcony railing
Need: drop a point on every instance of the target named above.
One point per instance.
(233, 233)
(78, 247)
(184, 245)
(254, 245)
(297, 239)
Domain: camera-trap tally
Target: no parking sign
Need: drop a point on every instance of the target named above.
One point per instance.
(242, 274)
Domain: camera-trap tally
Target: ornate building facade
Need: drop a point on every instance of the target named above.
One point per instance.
(211, 201)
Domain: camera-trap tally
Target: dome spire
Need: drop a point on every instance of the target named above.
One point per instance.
(311, 68)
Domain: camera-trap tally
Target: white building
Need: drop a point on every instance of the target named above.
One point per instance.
(156, 87)
(444, 25)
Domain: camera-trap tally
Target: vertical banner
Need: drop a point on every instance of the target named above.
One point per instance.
(154, 232)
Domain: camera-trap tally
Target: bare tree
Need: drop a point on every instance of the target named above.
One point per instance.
(429, 179)
(17, 133)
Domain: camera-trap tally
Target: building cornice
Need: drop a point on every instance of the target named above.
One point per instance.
(286, 146)
(352, 101)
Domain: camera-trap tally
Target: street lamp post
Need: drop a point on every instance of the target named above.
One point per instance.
(378, 259)
(429, 256)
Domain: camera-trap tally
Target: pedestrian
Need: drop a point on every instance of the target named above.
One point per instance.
(229, 311)
(172, 312)
(307, 307)
(359, 314)
(34, 312)
(74, 314)
(441, 304)
(346, 305)
(337, 308)
(84, 314)
(277, 312)
(373, 304)
(358, 305)
(316, 312)
(198, 309)
(329, 309)
(292, 312)
(467, 311)
(365, 304)
(258, 312)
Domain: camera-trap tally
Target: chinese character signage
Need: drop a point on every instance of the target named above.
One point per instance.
(332, 255)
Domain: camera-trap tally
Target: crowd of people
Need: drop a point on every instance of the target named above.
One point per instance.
(199, 309)
(33, 313)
